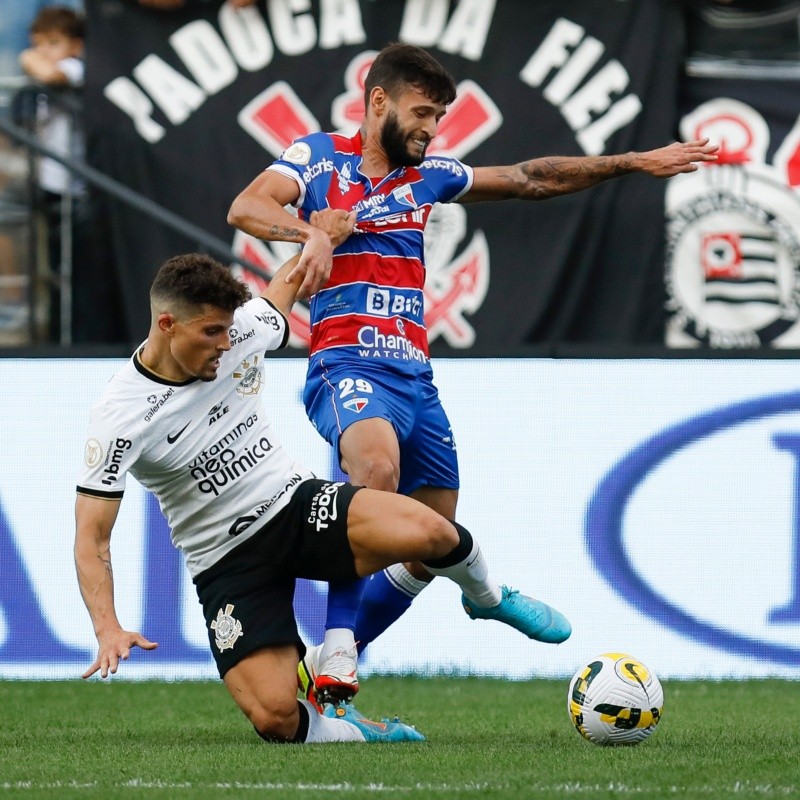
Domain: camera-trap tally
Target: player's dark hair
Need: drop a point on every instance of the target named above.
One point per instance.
(195, 279)
(61, 20)
(398, 66)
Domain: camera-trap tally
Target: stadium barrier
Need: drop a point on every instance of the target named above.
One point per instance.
(654, 501)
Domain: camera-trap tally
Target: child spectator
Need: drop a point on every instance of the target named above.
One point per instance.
(84, 286)
(56, 60)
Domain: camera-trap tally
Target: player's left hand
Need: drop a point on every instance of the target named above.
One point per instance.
(676, 158)
(115, 646)
(336, 222)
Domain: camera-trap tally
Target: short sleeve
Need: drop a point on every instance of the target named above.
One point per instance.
(260, 319)
(110, 451)
(449, 178)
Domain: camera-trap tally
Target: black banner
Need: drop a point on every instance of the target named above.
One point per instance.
(188, 106)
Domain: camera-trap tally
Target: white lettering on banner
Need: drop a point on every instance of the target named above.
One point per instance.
(128, 97)
(295, 32)
(468, 28)
(176, 96)
(246, 33)
(423, 21)
(340, 24)
(465, 34)
(594, 111)
(591, 110)
(204, 53)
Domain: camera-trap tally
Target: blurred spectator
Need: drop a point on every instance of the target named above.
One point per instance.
(76, 242)
(56, 60)
(15, 23)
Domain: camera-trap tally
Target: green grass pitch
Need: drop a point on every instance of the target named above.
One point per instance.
(486, 739)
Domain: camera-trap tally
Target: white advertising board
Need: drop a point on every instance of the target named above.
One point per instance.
(655, 502)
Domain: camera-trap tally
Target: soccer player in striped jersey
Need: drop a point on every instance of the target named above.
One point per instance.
(369, 389)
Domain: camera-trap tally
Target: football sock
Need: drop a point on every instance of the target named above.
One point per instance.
(344, 598)
(302, 728)
(387, 596)
(336, 639)
(328, 729)
(466, 565)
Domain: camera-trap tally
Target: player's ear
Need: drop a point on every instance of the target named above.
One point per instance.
(166, 323)
(377, 99)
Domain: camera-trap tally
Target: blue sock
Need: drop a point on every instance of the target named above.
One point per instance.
(384, 601)
(344, 599)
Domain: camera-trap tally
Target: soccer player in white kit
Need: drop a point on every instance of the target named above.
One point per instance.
(185, 418)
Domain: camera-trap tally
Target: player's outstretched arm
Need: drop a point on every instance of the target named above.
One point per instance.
(541, 178)
(287, 285)
(95, 519)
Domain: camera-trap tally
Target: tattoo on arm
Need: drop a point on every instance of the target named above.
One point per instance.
(107, 565)
(279, 232)
(547, 177)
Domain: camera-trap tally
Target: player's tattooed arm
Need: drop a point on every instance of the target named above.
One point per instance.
(259, 209)
(287, 285)
(94, 518)
(551, 176)
(281, 232)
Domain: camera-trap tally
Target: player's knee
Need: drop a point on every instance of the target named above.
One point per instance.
(441, 536)
(276, 722)
(378, 472)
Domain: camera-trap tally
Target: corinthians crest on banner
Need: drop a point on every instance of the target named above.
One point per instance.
(733, 249)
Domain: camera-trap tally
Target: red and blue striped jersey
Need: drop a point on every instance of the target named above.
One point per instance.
(373, 306)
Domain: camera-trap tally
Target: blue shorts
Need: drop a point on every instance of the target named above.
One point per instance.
(339, 393)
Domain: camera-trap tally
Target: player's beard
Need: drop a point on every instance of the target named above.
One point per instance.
(394, 141)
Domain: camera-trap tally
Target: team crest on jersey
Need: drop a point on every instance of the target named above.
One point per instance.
(93, 453)
(357, 404)
(227, 628)
(457, 267)
(404, 195)
(249, 377)
(733, 246)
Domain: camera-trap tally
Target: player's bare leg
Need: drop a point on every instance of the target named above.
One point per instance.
(263, 684)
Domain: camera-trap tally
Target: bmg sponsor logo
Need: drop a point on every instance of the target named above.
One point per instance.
(116, 450)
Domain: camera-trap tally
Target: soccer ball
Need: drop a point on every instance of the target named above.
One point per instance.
(615, 699)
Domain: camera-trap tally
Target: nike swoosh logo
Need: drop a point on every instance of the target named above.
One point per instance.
(173, 437)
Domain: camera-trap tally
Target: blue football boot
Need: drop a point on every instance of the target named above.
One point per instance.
(532, 617)
(387, 730)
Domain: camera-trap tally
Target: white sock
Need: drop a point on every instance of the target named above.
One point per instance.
(472, 575)
(404, 580)
(329, 729)
(336, 639)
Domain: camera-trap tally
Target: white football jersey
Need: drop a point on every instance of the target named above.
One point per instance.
(204, 448)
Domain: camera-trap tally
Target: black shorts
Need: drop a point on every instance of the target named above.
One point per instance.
(247, 595)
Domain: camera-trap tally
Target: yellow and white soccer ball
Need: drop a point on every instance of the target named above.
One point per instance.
(615, 699)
